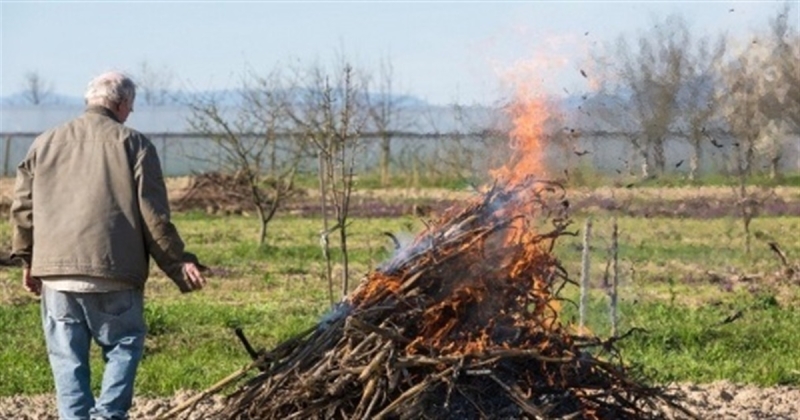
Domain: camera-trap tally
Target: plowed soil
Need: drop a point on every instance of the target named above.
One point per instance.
(715, 401)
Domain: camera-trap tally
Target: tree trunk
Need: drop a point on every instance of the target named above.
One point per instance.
(386, 158)
(659, 156)
(345, 258)
(630, 167)
(262, 237)
(775, 166)
(694, 161)
(323, 191)
(645, 163)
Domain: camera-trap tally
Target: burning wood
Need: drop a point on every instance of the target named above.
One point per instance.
(462, 324)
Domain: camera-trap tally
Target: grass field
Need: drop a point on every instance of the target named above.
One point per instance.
(681, 280)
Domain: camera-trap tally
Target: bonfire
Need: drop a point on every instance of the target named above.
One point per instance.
(462, 323)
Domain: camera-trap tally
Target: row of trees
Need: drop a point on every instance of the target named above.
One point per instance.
(707, 91)
(289, 116)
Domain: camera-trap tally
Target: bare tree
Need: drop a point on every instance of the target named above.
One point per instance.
(613, 113)
(779, 86)
(746, 121)
(786, 52)
(478, 142)
(259, 159)
(700, 96)
(331, 114)
(652, 74)
(154, 86)
(37, 90)
(760, 104)
(387, 114)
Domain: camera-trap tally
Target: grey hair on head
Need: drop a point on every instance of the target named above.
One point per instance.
(110, 89)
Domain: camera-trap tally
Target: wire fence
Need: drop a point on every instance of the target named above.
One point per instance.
(420, 155)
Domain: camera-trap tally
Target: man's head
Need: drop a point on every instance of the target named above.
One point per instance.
(114, 91)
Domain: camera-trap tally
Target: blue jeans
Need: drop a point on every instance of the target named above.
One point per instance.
(115, 320)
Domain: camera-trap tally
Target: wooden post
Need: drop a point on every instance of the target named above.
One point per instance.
(615, 278)
(585, 266)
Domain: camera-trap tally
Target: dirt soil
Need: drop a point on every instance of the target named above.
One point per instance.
(716, 401)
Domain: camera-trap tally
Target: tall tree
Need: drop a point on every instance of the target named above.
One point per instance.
(387, 113)
(331, 113)
(700, 96)
(651, 74)
(786, 52)
(779, 85)
(743, 111)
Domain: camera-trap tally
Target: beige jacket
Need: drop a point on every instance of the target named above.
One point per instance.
(90, 200)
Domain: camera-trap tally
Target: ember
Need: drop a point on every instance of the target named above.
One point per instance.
(463, 324)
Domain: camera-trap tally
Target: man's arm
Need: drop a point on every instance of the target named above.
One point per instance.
(162, 239)
(22, 223)
(22, 212)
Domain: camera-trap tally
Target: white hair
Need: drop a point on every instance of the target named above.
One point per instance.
(110, 89)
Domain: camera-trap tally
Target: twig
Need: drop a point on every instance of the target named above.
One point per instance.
(411, 392)
(365, 326)
(776, 249)
(515, 395)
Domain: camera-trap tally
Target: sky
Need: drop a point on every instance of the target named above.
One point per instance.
(440, 51)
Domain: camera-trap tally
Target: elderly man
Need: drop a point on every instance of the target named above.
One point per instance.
(90, 208)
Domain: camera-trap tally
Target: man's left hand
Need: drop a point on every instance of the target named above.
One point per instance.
(193, 276)
(31, 284)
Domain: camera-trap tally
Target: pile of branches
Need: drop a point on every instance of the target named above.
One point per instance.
(215, 192)
(461, 324)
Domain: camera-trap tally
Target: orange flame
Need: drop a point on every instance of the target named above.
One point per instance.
(529, 112)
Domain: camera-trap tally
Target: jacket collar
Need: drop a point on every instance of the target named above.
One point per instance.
(99, 109)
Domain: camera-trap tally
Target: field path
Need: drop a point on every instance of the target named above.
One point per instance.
(716, 401)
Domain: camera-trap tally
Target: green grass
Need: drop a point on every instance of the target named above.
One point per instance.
(273, 292)
(190, 342)
(679, 344)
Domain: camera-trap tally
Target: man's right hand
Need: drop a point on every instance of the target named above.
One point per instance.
(31, 284)
(193, 276)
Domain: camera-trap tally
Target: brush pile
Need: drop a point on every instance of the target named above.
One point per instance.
(215, 192)
(461, 324)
